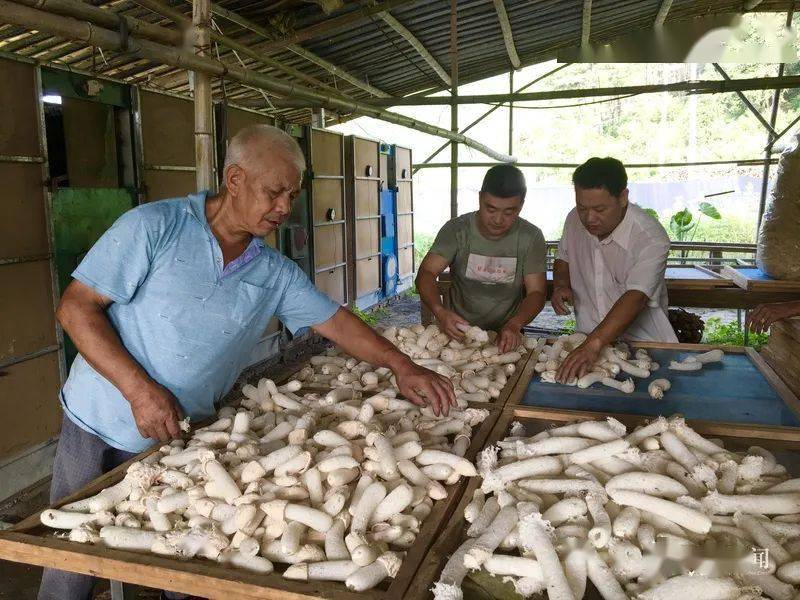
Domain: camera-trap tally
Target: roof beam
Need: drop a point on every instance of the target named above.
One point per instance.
(663, 11)
(271, 35)
(417, 45)
(159, 7)
(335, 25)
(508, 36)
(93, 35)
(699, 87)
(586, 25)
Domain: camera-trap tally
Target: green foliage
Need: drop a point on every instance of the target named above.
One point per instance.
(709, 210)
(371, 316)
(422, 243)
(412, 291)
(683, 224)
(568, 327)
(652, 212)
(717, 332)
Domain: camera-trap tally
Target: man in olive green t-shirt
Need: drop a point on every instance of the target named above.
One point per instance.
(497, 263)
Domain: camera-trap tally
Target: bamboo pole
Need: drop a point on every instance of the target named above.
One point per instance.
(107, 18)
(489, 112)
(203, 115)
(87, 33)
(178, 18)
(743, 162)
(700, 87)
(335, 25)
(299, 50)
(453, 107)
(747, 102)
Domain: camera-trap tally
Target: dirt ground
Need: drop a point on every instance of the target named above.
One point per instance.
(404, 310)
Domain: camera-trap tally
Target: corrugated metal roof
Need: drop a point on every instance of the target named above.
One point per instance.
(369, 49)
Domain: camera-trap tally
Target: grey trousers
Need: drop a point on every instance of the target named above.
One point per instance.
(80, 458)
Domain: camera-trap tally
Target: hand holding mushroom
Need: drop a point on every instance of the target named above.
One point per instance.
(155, 410)
(424, 387)
(510, 337)
(579, 361)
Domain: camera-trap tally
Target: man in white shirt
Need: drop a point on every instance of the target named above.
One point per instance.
(610, 267)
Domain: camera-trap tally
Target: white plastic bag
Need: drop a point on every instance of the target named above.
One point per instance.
(778, 250)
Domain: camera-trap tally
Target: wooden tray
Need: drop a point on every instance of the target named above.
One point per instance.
(31, 543)
(741, 392)
(694, 277)
(453, 534)
(752, 279)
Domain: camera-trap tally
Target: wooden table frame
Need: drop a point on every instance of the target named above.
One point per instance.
(453, 534)
(31, 543)
(718, 291)
(759, 285)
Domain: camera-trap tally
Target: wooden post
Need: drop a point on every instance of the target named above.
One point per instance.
(93, 35)
(453, 107)
(203, 110)
(511, 115)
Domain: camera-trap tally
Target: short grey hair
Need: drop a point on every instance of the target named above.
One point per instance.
(265, 136)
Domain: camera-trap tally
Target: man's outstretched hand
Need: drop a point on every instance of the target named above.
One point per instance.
(423, 387)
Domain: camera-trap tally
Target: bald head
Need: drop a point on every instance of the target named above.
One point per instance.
(263, 175)
(255, 144)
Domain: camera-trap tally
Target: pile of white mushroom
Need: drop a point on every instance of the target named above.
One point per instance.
(475, 366)
(332, 485)
(613, 361)
(645, 514)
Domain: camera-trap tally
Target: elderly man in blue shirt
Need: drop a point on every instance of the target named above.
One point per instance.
(167, 306)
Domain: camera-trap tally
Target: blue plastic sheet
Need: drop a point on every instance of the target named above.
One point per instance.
(732, 391)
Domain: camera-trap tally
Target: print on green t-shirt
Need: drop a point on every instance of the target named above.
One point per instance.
(488, 275)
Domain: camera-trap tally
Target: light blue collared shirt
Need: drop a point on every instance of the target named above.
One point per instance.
(189, 322)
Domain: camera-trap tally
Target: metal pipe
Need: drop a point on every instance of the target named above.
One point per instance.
(454, 107)
(85, 32)
(701, 87)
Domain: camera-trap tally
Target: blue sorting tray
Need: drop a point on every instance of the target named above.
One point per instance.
(732, 391)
